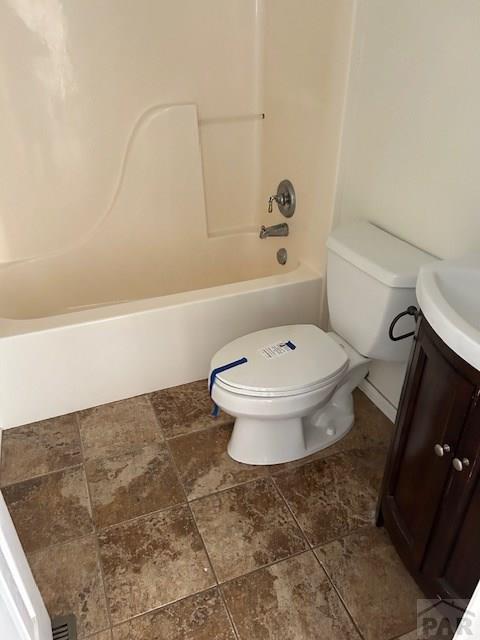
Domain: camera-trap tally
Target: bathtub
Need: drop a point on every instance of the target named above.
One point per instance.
(76, 333)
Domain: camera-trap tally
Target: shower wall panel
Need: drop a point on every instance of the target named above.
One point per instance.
(76, 77)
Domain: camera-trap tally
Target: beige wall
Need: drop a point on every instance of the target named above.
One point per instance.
(410, 152)
(74, 79)
(306, 55)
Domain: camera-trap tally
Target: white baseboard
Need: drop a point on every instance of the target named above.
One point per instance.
(378, 399)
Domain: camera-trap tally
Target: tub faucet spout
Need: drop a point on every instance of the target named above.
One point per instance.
(275, 230)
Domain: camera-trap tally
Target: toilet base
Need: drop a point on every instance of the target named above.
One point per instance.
(263, 442)
(256, 439)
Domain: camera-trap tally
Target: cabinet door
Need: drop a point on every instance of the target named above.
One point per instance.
(452, 560)
(433, 409)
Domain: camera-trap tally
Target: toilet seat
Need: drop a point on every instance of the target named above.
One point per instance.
(281, 362)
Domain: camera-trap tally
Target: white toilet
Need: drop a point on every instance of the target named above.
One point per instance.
(290, 388)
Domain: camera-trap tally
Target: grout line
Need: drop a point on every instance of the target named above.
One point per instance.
(58, 545)
(212, 568)
(234, 486)
(43, 475)
(402, 635)
(340, 597)
(269, 474)
(217, 586)
(154, 609)
(183, 435)
(264, 566)
(209, 427)
(97, 543)
(93, 636)
(161, 607)
(291, 513)
(169, 451)
(236, 633)
(214, 573)
(171, 507)
(307, 462)
(155, 417)
(175, 467)
(48, 473)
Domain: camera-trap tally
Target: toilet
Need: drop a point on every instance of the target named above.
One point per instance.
(290, 388)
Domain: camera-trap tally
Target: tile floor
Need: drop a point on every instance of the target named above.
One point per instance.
(134, 517)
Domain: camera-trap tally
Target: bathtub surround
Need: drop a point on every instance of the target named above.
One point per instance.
(147, 243)
(76, 79)
(306, 51)
(148, 167)
(172, 539)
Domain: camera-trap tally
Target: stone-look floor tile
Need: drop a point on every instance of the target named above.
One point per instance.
(204, 464)
(103, 635)
(39, 448)
(132, 484)
(371, 429)
(199, 617)
(152, 561)
(291, 600)
(181, 410)
(118, 427)
(69, 580)
(373, 426)
(50, 509)
(437, 621)
(336, 495)
(245, 528)
(445, 630)
(375, 586)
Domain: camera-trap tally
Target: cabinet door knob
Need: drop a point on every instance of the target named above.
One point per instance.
(460, 465)
(441, 449)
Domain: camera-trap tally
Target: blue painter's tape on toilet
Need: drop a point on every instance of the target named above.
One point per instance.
(213, 375)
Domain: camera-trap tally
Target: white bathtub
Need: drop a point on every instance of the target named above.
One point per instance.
(75, 335)
(141, 299)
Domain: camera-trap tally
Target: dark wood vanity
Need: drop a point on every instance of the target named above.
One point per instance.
(430, 498)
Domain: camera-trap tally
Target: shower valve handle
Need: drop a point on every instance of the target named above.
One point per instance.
(285, 199)
(279, 199)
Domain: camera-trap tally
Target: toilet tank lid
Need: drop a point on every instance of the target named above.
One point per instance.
(384, 257)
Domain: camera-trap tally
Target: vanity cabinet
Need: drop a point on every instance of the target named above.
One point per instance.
(430, 498)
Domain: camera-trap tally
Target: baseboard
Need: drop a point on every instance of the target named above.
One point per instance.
(378, 399)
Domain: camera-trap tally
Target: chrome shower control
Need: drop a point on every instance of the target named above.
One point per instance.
(285, 199)
(460, 465)
(441, 449)
(275, 230)
(282, 256)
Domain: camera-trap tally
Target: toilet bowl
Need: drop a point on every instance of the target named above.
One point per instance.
(290, 388)
(292, 396)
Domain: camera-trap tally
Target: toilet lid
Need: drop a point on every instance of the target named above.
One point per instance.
(281, 361)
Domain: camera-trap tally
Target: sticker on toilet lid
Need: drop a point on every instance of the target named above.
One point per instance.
(276, 350)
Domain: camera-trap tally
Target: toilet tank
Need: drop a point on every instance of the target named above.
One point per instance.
(371, 277)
